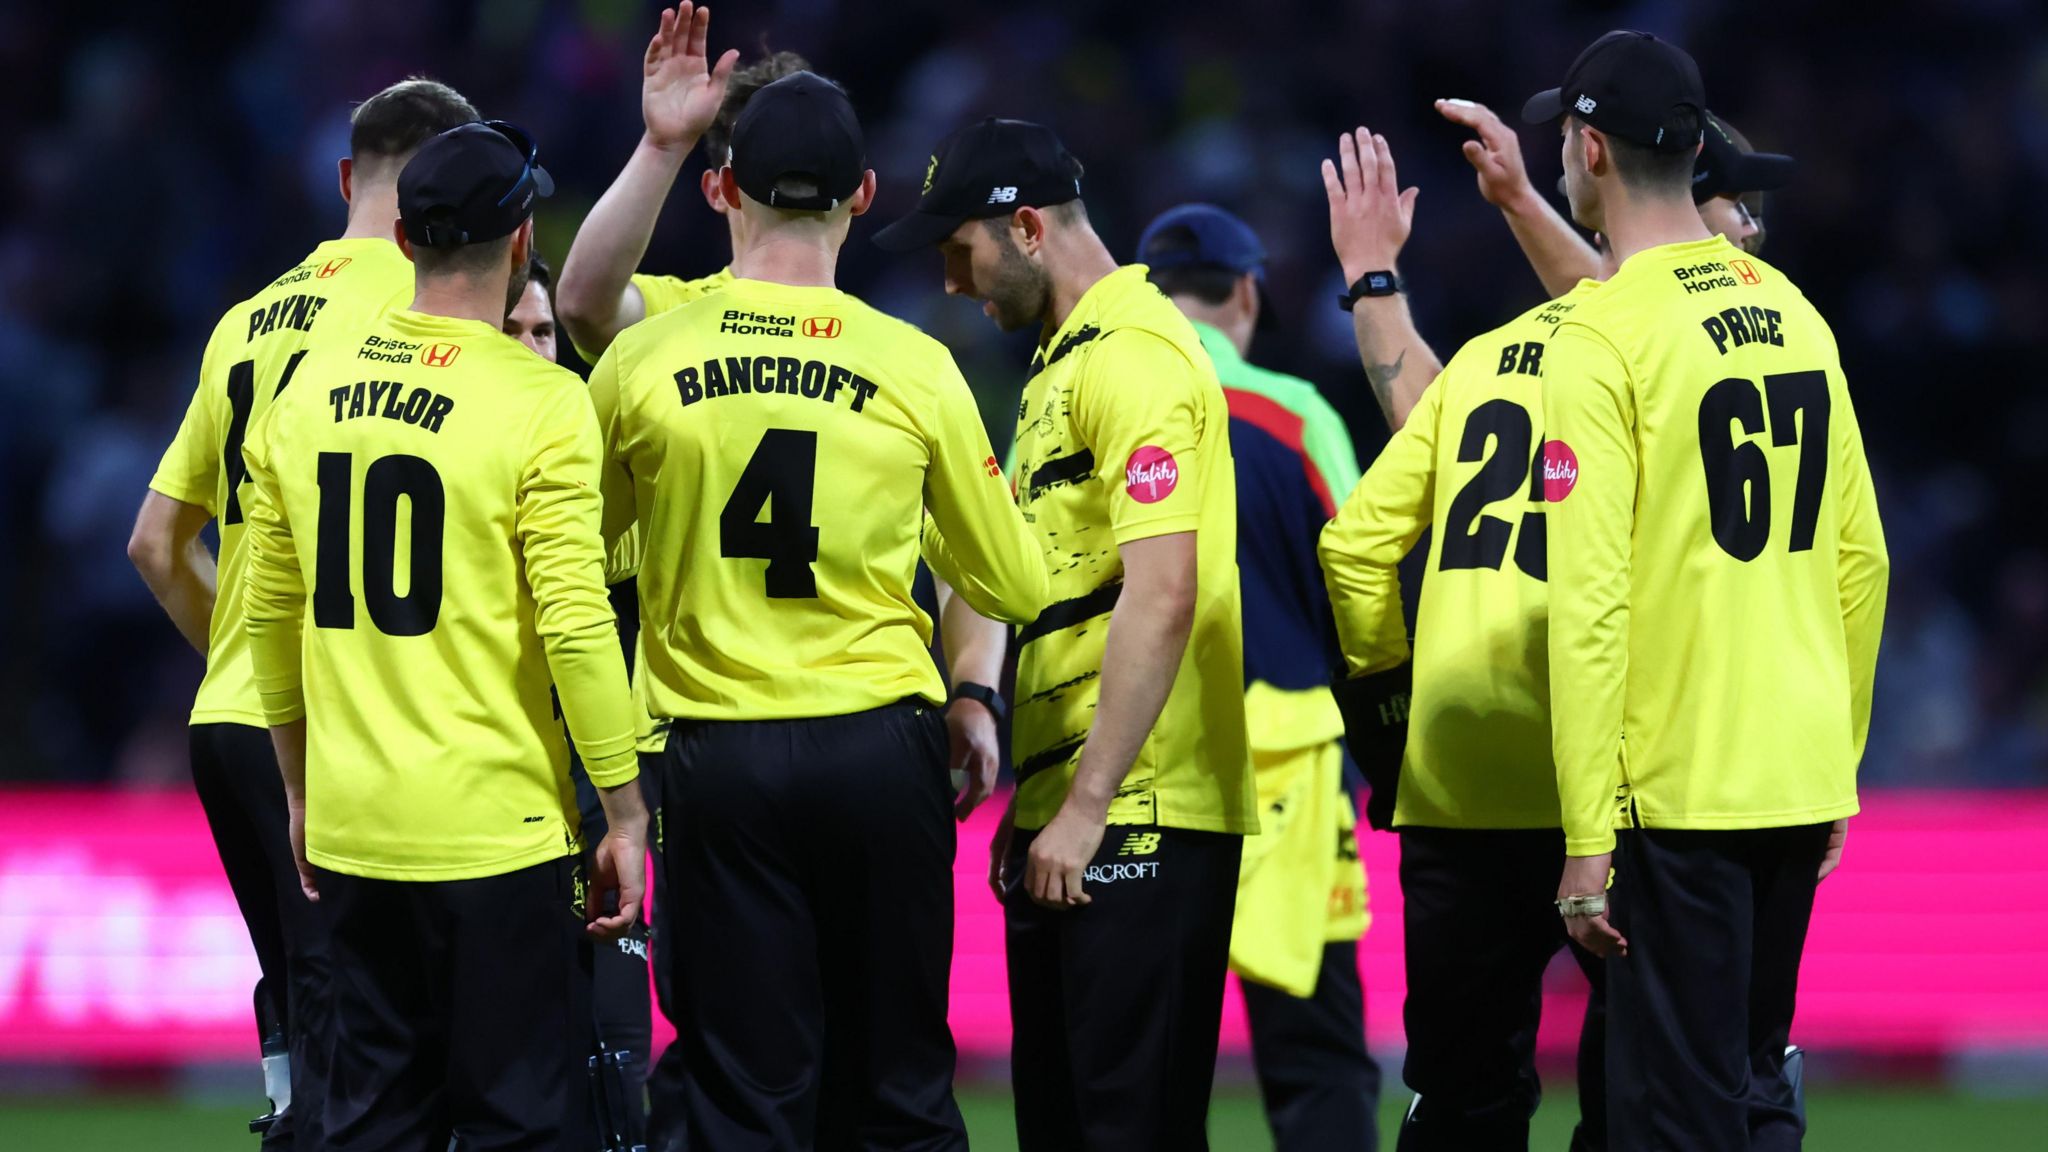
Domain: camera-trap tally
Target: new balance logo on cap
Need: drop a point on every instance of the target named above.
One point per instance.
(1003, 195)
(1586, 104)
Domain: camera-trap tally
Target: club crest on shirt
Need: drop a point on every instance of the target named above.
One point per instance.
(1560, 470)
(1151, 475)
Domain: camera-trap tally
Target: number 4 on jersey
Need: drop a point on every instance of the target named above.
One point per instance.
(781, 475)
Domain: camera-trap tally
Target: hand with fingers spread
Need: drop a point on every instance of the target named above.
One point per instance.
(680, 91)
(1496, 156)
(1369, 213)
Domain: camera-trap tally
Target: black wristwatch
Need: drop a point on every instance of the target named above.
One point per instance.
(982, 694)
(1372, 284)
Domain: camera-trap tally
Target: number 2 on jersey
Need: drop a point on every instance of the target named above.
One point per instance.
(1473, 539)
(783, 475)
(1739, 476)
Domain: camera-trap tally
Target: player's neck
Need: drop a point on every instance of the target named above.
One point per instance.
(372, 213)
(807, 259)
(1639, 225)
(1078, 261)
(463, 297)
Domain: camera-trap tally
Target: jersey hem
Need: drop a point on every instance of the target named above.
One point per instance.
(1147, 529)
(427, 873)
(168, 488)
(1711, 822)
(253, 718)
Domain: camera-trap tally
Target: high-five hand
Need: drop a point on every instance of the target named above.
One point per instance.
(1369, 213)
(1496, 156)
(679, 92)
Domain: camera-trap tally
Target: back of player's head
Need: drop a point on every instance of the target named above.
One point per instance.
(798, 147)
(466, 193)
(740, 88)
(1646, 98)
(385, 130)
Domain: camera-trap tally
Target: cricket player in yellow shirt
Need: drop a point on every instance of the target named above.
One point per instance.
(1718, 573)
(425, 591)
(782, 444)
(1134, 771)
(253, 355)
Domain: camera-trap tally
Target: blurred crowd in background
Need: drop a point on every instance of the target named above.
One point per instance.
(164, 161)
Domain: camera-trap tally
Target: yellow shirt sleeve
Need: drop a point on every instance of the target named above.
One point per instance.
(1588, 403)
(1139, 409)
(275, 599)
(1865, 570)
(1361, 549)
(557, 528)
(615, 486)
(190, 469)
(976, 539)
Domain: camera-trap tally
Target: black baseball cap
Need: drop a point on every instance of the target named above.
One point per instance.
(1726, 168)
(472, 183)
(1633, 86)
(984, 170)
(802, 125)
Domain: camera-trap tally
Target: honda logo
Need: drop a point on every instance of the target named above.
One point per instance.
(332, 266)
(823, 327)
(1745, 271)
(440, 355)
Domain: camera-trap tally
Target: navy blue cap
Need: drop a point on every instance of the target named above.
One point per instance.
(1726, 168)
(473, 183)
(1205, 236)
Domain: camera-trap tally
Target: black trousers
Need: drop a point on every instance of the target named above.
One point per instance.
(1320, 1086)
(623, 1021)
(1115, 1006)
(1481, 926)
(234, 771)
(810, 865)
(462, 1009)
(1701, 1007)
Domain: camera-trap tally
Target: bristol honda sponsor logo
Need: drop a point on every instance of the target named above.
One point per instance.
(1151, 475)
(1560, 470)
(1113, 873)
(822, 327)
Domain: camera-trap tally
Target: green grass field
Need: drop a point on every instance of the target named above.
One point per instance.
(1845, 1119)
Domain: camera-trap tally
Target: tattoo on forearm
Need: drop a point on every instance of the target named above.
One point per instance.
(1382, 377)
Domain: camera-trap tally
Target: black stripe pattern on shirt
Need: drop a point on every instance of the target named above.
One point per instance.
(1070, 469)
(1051, 757)
(1068, 613)
(1080, 336)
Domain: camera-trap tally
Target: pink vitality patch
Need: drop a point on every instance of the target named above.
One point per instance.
(1151, 475)
(1560, 470)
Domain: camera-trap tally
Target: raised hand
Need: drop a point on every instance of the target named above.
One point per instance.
(1496, 156)
(1369, 214)
(679, 90)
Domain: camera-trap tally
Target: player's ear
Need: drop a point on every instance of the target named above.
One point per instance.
(1245, 295)
(714, 195)
(398, 234)
(348, 175)
(1594, 142)
(728, 191)
(522, 244)
(1027, 226)
(864, 198)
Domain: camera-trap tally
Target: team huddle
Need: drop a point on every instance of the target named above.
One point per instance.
(483, 637)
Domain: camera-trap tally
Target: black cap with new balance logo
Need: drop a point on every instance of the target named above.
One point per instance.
(1633, 86)
(987, 169)
(473, 183)
(802, 127)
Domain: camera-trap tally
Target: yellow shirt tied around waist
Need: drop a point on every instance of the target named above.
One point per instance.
(781, 447)
(426, 579)
(254, 355)
(1717, 568)
(1471, 460)
(1123, 434)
